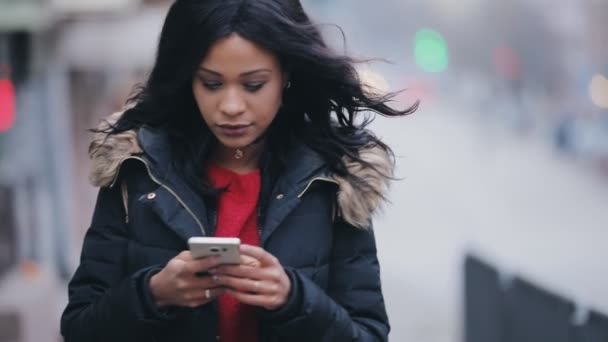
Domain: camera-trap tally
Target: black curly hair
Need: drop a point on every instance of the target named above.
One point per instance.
(320, 109)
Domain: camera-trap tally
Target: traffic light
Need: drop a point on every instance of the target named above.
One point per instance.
(7, 104)
(14, 67)
(507, 62)
(431, 51)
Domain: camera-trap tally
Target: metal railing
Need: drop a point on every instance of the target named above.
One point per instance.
(508, 308)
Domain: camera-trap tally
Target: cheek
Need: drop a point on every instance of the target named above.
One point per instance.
(269, 104)
(203, 101)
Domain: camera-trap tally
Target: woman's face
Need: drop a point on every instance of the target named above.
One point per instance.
(238, 89)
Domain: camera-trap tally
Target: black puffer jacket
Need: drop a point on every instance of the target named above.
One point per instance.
(316, 224)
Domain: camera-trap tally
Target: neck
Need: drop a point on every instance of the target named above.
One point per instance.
(225, 157)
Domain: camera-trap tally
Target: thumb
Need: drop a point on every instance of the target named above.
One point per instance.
(184, 256)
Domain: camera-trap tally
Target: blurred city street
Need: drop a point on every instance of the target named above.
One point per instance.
(507, 157)
(511, 200)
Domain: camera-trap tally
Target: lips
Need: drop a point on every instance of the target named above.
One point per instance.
(234, 130)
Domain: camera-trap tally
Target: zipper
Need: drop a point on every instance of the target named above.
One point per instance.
(321, 179)
(155, 180)
(215, 219)
(260, 221)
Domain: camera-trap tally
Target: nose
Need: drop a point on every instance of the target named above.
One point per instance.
(232, 104)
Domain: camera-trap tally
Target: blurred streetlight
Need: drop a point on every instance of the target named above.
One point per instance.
(374, 82)
(598, 90)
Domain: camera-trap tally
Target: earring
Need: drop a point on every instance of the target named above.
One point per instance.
(288, 85)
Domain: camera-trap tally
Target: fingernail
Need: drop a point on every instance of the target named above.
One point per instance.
(215, 278)
(212, 271)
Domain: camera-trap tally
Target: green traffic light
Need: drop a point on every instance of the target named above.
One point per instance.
(431, 51)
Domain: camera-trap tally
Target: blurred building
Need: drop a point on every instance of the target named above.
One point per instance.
(66, 63)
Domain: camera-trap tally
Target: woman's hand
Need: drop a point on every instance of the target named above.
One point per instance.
(178, 283)
(263, 284)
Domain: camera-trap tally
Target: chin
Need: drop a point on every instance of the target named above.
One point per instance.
(235, 143)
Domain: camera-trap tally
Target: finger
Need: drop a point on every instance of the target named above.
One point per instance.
(202, 264)
(201, 294)
(248, 285)
(236, 270)
(264, 301)
(202, 297)
(249, 261)
(260, 254)
(194, 282)
(241, 271)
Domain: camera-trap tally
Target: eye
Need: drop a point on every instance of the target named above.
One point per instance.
(253, 87)
(212, 85)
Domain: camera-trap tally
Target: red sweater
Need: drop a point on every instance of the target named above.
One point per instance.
(236, 217)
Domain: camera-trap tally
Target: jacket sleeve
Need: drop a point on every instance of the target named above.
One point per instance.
(106, 303)
(353, 307)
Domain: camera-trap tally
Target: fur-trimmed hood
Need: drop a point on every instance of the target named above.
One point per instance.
(356, 203)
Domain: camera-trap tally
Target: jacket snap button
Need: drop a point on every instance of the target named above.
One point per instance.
(280, 196)
(151, 196)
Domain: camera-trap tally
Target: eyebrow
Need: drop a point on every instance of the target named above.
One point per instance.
(248, 73)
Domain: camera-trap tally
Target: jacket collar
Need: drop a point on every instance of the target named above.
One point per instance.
(154, 143)
(356, 203)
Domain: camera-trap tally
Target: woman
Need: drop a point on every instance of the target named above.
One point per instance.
(233, 135)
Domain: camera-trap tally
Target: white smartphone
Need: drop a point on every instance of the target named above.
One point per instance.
(226, 248)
